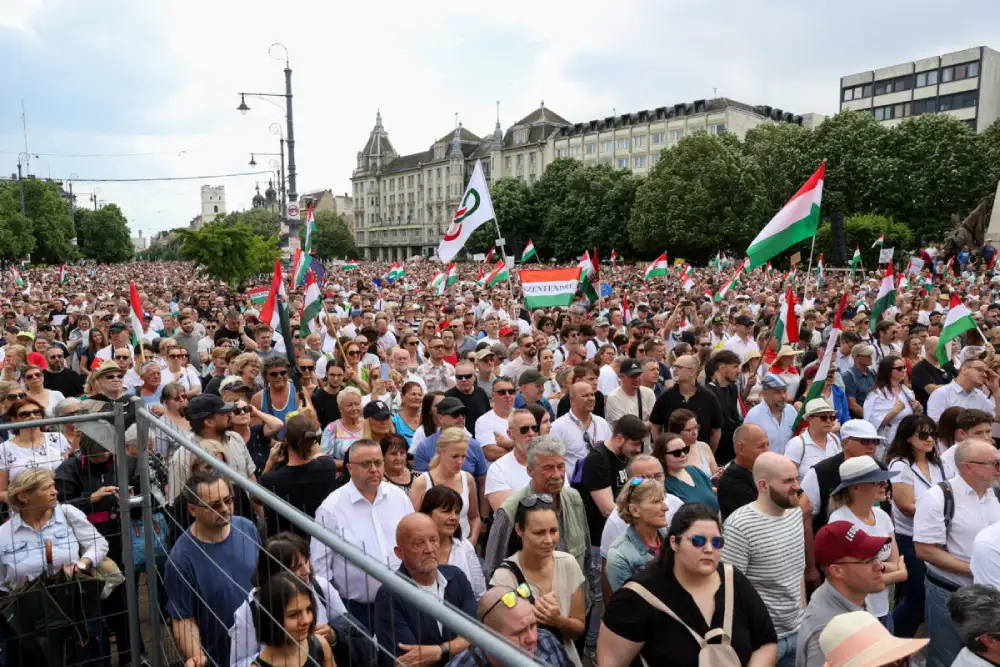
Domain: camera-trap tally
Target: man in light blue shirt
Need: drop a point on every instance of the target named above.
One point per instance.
(773, 414)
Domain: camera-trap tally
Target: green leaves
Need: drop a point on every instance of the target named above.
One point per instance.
(231, 253)
(47, 220)
(103, 235)
(331, 239)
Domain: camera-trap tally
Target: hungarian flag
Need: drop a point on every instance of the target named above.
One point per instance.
(886, 297)
(135, 313)
(659, 267)
(545, 288)
(438, 283)
(769, 271)
(276, 299)
(786, 331)
(717, 262)
(475, 209)
(947, 268)
(397, 271)
(857, 256)
(596, 276)
(904, 282)
(687, 279)
(956, 322)
(626, 310)
(879, 241)
(452, 274)
(721, 294)
(346, 266)
(479, 278)
(587, 273)
(18, 280)
(819, 270)
(614, 261)
(993, 260)
(302, 264)
(62, 275)
(498, 274)
(529, 252)
(489, 255)
(258, 295)
(312, 306)
(816, 388)
(296, 267)
(795, 222)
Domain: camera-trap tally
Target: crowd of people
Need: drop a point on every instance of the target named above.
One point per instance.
(647, 478)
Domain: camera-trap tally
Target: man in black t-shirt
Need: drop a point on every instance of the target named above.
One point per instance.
(60, 378)
(723, 385)
(687, 393)
(736, 487)
(475, 400)
(604, 472)
(928, 374)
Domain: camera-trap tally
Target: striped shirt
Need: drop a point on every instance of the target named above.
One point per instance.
(769, 550)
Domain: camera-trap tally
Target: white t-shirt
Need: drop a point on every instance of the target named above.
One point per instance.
(488, 426)
(803, 451)
(16, 459)
(877, 603)
(506, 474)
(911, 474)
(187, 376)
(607, 380)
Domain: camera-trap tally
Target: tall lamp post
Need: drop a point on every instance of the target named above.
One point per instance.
(293, 195)
(21, 157)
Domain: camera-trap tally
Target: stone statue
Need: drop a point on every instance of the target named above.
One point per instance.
(969, 232)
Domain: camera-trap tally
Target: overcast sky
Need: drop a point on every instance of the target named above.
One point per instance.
(158, 80)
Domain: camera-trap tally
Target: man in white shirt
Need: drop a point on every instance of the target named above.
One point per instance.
(510, 472)
(966, 390)
(742, 340)
(773, 414)
(602, 327)
(580, 429)
(364, 512)
(491, 428)
(943, 536)
(118, 332)
(630, 398)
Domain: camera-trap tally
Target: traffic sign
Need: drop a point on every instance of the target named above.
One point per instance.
(293, 211)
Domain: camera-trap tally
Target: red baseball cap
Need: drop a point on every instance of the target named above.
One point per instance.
(842, 539)
(507, 331)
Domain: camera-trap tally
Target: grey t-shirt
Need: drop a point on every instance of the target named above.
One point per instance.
(826, 603)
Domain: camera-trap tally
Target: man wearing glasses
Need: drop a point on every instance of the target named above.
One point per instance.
(438, 374)
(510, 472)
(58, 377)
(278, 397)
(945, 527)
(966, 390)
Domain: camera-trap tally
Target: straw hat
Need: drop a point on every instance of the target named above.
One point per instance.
(857, 639)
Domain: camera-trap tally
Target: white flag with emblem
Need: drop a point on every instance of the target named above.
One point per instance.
(476, 208)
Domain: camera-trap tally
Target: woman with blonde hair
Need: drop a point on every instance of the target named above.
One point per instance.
(14, 361)
(10, 391)
(446, 470)
(640, 505)
(247, 366)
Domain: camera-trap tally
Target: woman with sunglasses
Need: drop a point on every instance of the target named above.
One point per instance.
(542, 417)
(257, 436)
(817, 442)
(356, 375)
(687, 482)
(174, 399)
(890, 400)
(553, 577)
(444, 506)
(914, 458)
(95, 342)
(446, 470)
(179, 370)
(10, 391)
(34, 381)
(29, 447)
(862, 485)
(685, 423)
(688, 579)
(641, 506)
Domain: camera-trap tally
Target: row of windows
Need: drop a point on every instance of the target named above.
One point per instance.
(636, 142)
(520, 160)
(908, 81)
(963, 100)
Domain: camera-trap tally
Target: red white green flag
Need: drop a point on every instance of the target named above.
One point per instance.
(879, 241)
(956, 322)
(786, 331)
(312, 306)
(498, 274)
(817, 386)
(721, 294)
(135, 313)
(886, 297)
(546, 288)
(687, 278)
(62, 275)
(795, 222)
(587, 273)
(529, 252)
(452, 274)
(658, 268)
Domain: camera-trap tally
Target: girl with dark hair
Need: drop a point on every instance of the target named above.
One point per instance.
(686, 481)
(444, 506)
(394, 448)
(890, 400)
(554, 577)
(914, 457)
(285, 622)
(428, 419)
(687, 578)
(286, 555)
(685, 423)
(947, 424)
(409, 417)
(542, 417)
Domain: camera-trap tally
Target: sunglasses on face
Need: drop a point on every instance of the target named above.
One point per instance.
(683, 451)
(113, 376)
(353, 353)
(826, 418)
(509, 599)
(464, 376)
(504, 392)
(28, 414)
(219, 505)
(15, 397)
(307, 369)
(33, 376)
(130, 358)
(178, 356)
(924, 435)
(277, 374)
(179, 397)
(525, 430)
(245, 410)
(53, 357)
(699, 541)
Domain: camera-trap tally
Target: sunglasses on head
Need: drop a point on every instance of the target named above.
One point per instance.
(509, 599)
(525, 430)
(683, 451)
(535, 498)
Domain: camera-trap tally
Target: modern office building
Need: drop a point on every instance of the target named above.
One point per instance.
(964, 84)
(403, 203)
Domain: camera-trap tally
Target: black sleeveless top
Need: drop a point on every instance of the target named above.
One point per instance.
(315, 655)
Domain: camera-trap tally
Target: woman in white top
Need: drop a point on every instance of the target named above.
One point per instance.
(862, 484)
(890, 400)
(446, 470)
(817, 442)
(914, 458)
(685, 422)
(34, 382)
(29, 447)
(444, 505)
(180, 371)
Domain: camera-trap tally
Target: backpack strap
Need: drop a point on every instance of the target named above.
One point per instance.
(657, 604)
(949, 504)
(513, 568)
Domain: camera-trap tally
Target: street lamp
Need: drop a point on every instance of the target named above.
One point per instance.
(253, 163)
(243, 108)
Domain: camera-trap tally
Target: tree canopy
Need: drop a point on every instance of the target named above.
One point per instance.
(103, 235)
(331, 239)
(232, 253)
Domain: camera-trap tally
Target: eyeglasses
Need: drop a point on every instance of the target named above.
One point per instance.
(28, 414)
(182, 355)
(245, 410)
(899, 368)
(525, 430)
(130, 358)
(826, 418)
(683, 451)
(113, 376)
(277, 374)
(411, 343)
(534, 499)
(509, 599)
(368, 465)
(178, 397)
(307, 369)
(924, 435)
(53, 357)
(464, 376)
(995, 463)
(15, 397)
(353, 353)
(699, 541)
(505, 392)
(33, 376)
(219, 505)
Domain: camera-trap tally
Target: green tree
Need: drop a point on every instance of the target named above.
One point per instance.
(164, 251)
(103, 235)
(857, 168)
(784, 152)
(231, 253)
(989, 146)
(861, 231)
(16, 238)
(331, 239)
(513, 205)
(594, 212)
(702, 195)
(51, 222)
(548, 193)
(261, 221)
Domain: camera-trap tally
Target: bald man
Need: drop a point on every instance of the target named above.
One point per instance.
(508, 614)
(737, 487)
(687, 393)
(580, 429)
(419, 637)
(765, 541)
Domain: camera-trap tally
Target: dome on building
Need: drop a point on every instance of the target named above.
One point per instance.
(258, 199)
(270, 195)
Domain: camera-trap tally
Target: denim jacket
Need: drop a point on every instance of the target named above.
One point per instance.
(627, 554)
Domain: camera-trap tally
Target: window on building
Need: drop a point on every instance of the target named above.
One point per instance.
(623, 163)
(928, 105)
(623, 143)
(439, 192)
(447, 171)
(718, 128)
(638, 161)
(576, 151)
(676, 135)
(506, 163)
(963, 100)
(656, 139)
(653, 159)
(638, 141)
(848, 94)
(531, 157)
(947, 74)
(606, 146)
(560, 152)
(883, 113)
(591, 148)
(901, 110)
(520, 160)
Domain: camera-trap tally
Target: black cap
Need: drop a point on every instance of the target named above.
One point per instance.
(718, 320)
(744, 320)
(631, 367)
(631, 427)
(118, 327)
(206, 405)
(376, 410)
(451, 406)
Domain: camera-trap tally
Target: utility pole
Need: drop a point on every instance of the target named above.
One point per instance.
(20, 183)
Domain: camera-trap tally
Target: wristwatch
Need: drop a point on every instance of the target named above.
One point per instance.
(445, 651)
(82, 566)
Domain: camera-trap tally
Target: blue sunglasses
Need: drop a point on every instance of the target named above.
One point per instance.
(699, 542)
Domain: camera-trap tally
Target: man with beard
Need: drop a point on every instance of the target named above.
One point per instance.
(58, 377)
(527, 357)
(764, 540)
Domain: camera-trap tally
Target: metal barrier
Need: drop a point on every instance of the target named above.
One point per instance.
(161, 648)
